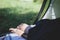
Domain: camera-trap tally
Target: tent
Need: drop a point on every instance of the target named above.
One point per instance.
(50, 10)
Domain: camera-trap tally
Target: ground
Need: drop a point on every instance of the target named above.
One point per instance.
(14, 12)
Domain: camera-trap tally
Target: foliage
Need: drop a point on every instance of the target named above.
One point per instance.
(14, 12)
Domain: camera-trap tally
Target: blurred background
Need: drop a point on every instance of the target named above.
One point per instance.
(14, 12)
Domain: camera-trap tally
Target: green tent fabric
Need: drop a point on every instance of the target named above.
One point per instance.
(43, 10)
(56, 7)
(54, 11)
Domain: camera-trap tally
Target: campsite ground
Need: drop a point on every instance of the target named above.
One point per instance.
(14, 12)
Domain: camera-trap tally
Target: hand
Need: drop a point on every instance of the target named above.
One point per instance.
(17, 31)
(20, 29)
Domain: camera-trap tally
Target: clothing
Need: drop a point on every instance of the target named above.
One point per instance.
(45, 30)
(29, 27)
(12, 36)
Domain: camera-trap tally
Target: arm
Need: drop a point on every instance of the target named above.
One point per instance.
(22, 29)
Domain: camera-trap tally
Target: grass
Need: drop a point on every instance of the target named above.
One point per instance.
(14, 12)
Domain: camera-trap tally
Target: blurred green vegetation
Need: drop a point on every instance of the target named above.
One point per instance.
(14, 12)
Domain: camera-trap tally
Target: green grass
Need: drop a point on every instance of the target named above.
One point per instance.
(14, 12)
